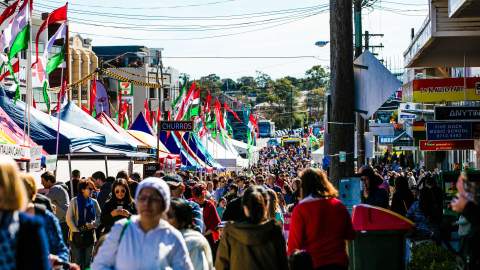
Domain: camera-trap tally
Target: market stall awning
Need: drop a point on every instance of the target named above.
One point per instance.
(43, 128)
(72, 114)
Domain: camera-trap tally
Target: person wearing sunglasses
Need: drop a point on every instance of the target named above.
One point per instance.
(145, 241)
(83, 217)
(119, 206)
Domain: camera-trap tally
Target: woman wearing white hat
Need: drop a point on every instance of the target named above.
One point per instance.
(145, 241)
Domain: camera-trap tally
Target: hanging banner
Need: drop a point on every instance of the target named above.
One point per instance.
(449, 89)
(14, 151)
(101, 102)
(51, 162)
(457, 113)
(446, 145)
(125, 88)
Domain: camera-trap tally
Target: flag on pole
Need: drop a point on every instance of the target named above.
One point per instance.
(185, 103)
(182, 92)
(93, 97)
(225, 105)
(20, 30)
(148, 116)
(57, 16)
(194, 106)
(218, 114)
(7, 13)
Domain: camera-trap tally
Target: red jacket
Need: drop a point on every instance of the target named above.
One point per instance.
(210, 218)
(321, 226)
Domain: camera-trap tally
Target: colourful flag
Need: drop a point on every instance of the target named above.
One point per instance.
(148, 117)
(225, 105)
(8, 12)
(93, 97)
(57, 16)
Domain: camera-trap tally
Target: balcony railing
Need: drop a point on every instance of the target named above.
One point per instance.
(419, 41)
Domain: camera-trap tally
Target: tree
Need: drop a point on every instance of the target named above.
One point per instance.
(228, 85)
(316, 77)
(246, 85)
(212, 83)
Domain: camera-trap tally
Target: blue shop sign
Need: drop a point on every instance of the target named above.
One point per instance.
(449, 130)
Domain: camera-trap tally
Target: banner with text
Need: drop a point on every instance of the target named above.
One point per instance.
(448, 89)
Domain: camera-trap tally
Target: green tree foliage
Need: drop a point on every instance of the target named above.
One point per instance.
(293, 100)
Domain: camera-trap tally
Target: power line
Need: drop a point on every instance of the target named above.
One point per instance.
(229, 57)
(199, 28)
(160, 17)
(198, 38)
(147, 8)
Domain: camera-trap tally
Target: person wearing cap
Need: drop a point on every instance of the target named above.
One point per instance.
(372, 193)
(177, 188)
(145, 241)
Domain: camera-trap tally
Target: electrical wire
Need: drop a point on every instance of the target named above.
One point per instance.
(183, 18)
(200, 37)
(197, 29)
(145, 8)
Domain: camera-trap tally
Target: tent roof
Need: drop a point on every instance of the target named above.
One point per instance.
(141, 124)
(71, 113)
(43, 128)
(11, 131)
(147, 139)
(105, 120)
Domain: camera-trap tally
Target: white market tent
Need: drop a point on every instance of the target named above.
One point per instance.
(242, 148)
(227, 156)
(317, 155)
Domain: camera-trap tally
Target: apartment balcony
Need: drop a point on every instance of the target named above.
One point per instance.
(444, 40)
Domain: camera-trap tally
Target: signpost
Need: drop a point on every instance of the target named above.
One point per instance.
(444, 145)
(176, 125)
(457, 113)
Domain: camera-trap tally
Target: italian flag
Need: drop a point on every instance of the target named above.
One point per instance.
(20, 29)
(251, 134)
(44, 66)
(194, 105)
(181, 94)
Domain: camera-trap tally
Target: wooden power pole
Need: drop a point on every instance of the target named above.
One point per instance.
(341, 119)
(357, 11)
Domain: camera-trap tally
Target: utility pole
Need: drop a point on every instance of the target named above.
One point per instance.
(160, 95)
(357, 11)
(341, 121)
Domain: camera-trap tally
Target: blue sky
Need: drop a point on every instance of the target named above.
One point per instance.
(290, 39)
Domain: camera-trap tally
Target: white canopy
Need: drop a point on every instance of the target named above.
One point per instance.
(226, 155)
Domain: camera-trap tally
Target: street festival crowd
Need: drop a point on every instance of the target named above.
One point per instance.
(280, 214)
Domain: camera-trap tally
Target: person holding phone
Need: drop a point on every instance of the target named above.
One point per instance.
(119, 206)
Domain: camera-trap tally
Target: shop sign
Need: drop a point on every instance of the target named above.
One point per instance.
(382, 129)
(125, 88)
(150, 169)
(445, 145)
(51, 162)
(448, 89)
(403, 140)
(457, 113)
(449, 130)
(176, 125)
(384, 140)
(384, 116)
(405, 148)
(14, 151)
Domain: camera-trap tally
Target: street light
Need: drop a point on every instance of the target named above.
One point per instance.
(321, 43)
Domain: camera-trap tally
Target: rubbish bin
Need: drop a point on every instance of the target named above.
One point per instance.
(380, 239)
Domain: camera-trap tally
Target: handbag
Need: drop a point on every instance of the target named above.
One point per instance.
(83, 239)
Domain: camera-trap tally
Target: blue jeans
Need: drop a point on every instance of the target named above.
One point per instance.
(82, 256)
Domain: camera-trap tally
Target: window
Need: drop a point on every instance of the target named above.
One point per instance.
(152, 93)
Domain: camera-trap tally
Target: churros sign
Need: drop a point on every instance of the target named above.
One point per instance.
(449, 89)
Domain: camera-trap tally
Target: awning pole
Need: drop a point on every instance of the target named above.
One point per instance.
(106, 166)
(70, 174)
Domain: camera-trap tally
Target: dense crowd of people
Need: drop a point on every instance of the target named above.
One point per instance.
(272, 216)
